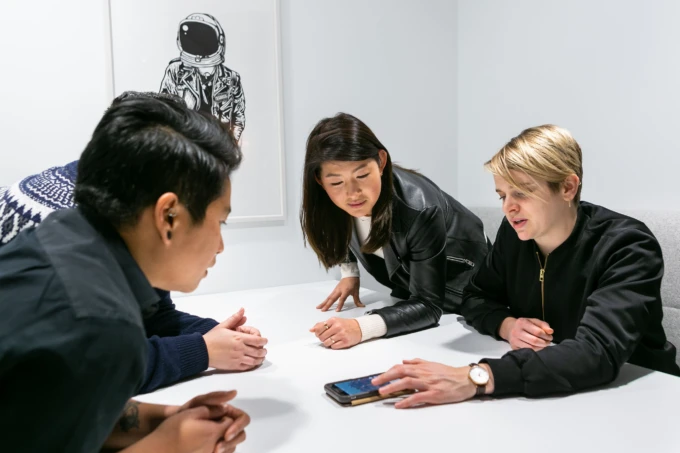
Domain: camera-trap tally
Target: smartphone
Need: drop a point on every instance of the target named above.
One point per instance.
(358, 391)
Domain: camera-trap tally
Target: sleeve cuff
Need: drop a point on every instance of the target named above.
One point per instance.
(492, 323)
(193, 354)
(372, 326)
(349, 270)
(205, 326)
(507, 376)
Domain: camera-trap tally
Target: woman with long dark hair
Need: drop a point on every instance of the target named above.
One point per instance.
(406, 232)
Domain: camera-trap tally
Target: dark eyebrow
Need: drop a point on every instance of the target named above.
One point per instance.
(499, 191)
(331, 175)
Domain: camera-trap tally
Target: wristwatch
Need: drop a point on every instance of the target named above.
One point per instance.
(480, 377)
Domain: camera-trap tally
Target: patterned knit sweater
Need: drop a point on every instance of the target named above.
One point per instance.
(176, 346)
(30, 200)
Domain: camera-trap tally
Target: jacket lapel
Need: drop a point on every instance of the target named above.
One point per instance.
(356, 247)
(219, 83)
(393, 253)
(191, 82)
(397, 248)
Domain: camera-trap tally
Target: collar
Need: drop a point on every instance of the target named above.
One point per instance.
(579, 226)
(146, 296)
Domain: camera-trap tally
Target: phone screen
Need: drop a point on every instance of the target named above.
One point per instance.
(357, 386)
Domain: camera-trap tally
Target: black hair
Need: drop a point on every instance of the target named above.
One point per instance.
(148, 144)
(326, 227)
(127, 95)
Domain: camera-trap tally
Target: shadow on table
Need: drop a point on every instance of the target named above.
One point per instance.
(475, 343)
(389, 404)
(266, 364)
(371, 299)
(629, 373)
(259, 408)
(275, 419)
(467, 326)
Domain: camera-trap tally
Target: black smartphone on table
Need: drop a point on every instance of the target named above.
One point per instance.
(352, 392)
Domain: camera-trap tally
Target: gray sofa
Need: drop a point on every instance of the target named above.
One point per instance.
(666, 227)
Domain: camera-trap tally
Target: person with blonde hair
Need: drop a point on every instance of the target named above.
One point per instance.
(573, 287)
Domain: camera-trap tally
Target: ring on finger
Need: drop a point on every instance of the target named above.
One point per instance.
(332, 340)
(325, 326)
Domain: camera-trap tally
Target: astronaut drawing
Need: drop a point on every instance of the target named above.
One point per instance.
(199, 75)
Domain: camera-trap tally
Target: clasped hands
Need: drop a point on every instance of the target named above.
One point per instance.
(232, 346)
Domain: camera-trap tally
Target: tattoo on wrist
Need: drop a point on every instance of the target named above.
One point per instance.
(130, 418)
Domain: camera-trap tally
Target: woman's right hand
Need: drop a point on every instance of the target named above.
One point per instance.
(348, 286)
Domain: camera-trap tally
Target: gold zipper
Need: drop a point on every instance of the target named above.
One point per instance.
(541, 278)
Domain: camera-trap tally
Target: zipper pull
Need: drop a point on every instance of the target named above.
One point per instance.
(541, 276)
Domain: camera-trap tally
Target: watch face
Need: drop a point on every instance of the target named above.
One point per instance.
(479, 375)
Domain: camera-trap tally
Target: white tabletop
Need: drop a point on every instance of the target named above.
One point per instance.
(290, 412)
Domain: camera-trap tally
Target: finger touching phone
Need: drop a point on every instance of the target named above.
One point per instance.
(352, 392)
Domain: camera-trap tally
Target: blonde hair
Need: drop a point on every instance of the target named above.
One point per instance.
(547, 153)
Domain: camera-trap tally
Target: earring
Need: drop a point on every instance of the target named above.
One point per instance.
(172, 214)
(570, 203)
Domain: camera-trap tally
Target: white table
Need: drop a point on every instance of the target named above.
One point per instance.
(291, 413)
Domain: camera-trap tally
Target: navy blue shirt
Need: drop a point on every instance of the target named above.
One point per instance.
(73, 347)
(176, 346)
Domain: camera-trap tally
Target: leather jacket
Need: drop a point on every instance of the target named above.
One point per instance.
(228, 101)
(435, 245)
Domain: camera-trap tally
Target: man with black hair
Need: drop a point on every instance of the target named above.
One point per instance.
(152, 191)
(180, 345)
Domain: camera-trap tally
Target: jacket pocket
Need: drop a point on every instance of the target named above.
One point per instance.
(455, 259)
(458, 272)
(456, 291)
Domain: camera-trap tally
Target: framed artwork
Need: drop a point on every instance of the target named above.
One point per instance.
(223, 58)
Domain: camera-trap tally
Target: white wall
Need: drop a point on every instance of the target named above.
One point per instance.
(426, 76)
(391, 63)
(55, 81)
(607, 70)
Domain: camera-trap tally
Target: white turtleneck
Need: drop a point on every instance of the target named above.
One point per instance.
(372, 326)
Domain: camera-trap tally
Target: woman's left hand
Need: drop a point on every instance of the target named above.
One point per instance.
(338, 333)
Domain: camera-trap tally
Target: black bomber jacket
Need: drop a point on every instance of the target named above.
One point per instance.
(600, 291)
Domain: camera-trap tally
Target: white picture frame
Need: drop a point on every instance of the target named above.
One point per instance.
(146, 50)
